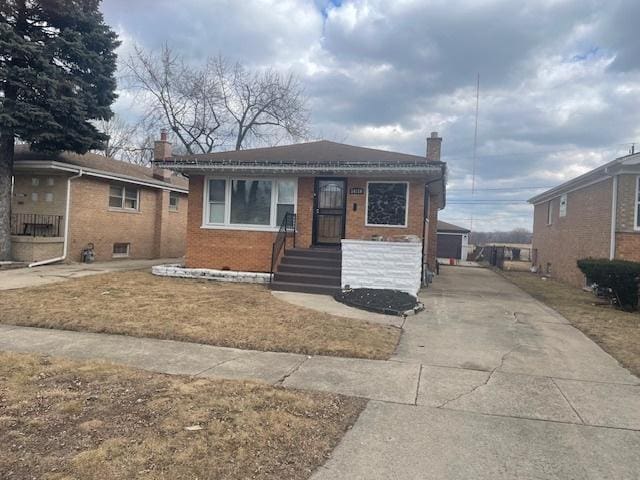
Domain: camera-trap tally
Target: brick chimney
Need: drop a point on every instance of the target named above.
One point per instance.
(161, 151)
(434, 144)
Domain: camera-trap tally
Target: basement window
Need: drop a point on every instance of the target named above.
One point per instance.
(174, 198)
(387, 204)
(121, 250)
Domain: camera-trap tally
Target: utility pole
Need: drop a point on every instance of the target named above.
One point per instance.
(475, 149)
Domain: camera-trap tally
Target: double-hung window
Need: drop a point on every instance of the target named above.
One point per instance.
(248, 202)
(125, 197)
(387, 204)
(174, 199)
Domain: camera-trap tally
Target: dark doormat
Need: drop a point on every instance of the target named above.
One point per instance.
(388, 302)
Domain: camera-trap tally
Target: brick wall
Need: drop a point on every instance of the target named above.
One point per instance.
(92, 221)
(54, 185)
(356, 228)
(304, 212)
(627, 199)
(432, 233)
(628, 246)
(242, 250)
(585, 231)
(171, 226)
(251, 250)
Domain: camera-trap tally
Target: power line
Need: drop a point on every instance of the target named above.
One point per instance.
(449, 190)
(536, 152)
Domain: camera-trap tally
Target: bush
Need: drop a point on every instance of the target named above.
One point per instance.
(621, 276)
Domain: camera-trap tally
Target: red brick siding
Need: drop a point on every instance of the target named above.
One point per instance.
(91, 221)
(356, 228)
(432, 234)
(251, 250)
(584, 232)
(304, 212)
(242, 250)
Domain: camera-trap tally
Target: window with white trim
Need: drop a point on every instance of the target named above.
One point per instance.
(550, 212)
(249, 202)
(124, 197)
(387, 204)
(563, 206)
(174, 199)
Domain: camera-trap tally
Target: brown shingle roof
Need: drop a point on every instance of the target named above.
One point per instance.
(319, 152)
(451, 228)
(97, 162)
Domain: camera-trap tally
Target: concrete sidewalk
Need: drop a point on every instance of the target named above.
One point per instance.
(487, 383)
(508, 390)
(388, 381)
(45, 274)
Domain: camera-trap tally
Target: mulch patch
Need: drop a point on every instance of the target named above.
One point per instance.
(388, 302)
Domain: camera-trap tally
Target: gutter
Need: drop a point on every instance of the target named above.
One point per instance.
(65, 244)
(25, 164)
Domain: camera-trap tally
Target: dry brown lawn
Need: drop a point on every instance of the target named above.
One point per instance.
(71, 420)
(225, 314)
(616, 331)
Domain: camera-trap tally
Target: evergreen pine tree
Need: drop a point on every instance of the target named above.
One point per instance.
(57, 73)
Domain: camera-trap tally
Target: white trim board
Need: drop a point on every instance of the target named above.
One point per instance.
(406, 206)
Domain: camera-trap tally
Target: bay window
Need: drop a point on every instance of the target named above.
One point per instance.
(387, 204)
(248, 202)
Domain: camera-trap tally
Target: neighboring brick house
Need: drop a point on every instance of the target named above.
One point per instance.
(238, 201)
(595, 215)
(63, 202)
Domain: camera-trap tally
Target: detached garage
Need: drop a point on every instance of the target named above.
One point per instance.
(453, 242)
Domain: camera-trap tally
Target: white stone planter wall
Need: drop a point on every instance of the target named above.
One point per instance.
(210, 274)
(391, 265)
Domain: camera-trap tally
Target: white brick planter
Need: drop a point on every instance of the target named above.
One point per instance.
(390, 265)
(210, 274)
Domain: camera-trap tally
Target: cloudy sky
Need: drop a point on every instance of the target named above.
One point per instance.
(559, 79)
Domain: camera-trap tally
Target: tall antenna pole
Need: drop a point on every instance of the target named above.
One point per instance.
(475, 138)
(475, 148)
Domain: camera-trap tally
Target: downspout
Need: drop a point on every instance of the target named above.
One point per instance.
(614, 209)
(65, 243)
(424, 221)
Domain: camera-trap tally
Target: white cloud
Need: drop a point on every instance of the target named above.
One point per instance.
(559, 78)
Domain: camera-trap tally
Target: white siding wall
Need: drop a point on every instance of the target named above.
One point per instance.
(391, 265)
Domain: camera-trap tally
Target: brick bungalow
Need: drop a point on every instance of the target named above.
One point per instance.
(61, 203)
(239, 201)
(595, 215)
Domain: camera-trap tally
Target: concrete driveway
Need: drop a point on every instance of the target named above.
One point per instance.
(45, 274)
(507, 390)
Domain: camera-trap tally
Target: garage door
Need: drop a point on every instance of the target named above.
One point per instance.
(449, 246)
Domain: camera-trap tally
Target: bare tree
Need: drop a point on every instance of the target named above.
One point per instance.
(219, 104)
(263, 106)
(128, 142)
(120, 135)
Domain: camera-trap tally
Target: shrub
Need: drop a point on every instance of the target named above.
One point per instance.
(620, 276)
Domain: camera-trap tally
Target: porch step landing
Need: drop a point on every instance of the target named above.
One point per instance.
(311, 270)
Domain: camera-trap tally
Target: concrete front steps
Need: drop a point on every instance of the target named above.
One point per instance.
(309, 270)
